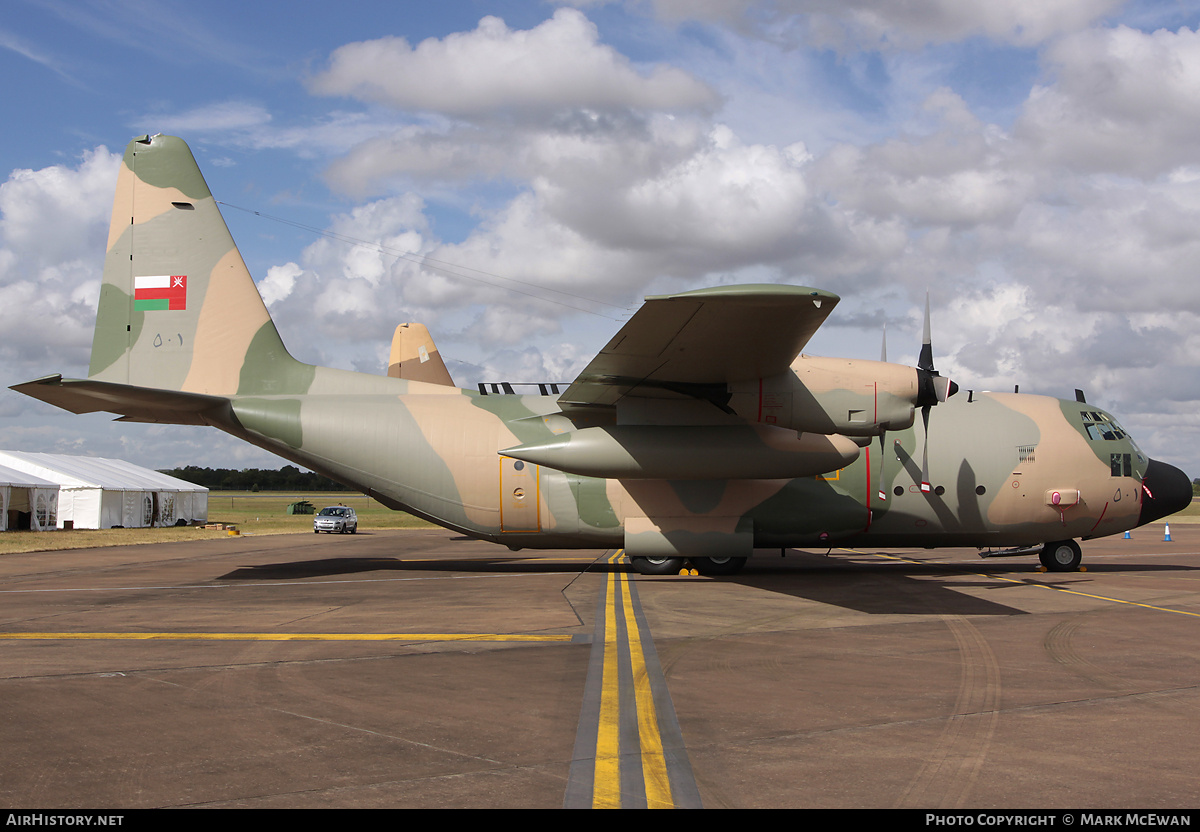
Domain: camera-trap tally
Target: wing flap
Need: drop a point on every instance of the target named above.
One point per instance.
(694, 343)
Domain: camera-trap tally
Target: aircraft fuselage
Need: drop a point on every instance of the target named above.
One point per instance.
(1005, 470)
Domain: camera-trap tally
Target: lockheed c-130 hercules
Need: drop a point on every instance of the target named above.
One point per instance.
(699, 433)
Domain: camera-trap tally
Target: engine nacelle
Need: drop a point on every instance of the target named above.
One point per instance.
(853, 397)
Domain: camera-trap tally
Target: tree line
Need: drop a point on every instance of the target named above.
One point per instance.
(287, 478)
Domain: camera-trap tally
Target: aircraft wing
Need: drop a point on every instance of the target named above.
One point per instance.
(694, 343)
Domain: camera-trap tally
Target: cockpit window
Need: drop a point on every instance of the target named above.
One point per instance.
(1101, 426)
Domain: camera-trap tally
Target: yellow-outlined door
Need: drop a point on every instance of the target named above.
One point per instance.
(519, 497)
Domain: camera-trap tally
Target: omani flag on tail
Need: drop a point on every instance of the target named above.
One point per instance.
(160, 291)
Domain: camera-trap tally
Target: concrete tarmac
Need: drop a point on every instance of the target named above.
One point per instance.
(333, 671)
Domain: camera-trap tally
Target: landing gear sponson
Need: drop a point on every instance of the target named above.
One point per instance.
(1058, 556)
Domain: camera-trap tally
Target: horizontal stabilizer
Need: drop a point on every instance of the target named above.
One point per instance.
(133, 404)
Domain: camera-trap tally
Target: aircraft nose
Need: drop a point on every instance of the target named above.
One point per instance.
(1167, 490)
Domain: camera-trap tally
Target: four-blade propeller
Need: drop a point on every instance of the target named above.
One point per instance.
(932, 388)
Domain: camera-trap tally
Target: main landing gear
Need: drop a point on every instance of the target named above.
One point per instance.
(1061, 556)
(673, 565)
(657, 566)
(718, 566)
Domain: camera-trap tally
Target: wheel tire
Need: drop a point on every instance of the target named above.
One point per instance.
(1061, 556)
(719, 566)
(657, 566)
(354, 530)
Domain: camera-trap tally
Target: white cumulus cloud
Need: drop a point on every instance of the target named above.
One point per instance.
(53, 230)
(559, 64)
(1122, 101)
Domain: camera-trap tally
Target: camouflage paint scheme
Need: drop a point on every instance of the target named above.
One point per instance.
(414, 357)
(699, 431)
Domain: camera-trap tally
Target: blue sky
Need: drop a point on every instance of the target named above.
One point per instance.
(1034, 165)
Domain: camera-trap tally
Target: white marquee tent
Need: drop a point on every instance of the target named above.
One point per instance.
(22, 493)
(101, 493)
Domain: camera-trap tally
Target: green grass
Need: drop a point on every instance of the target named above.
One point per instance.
(266, 511)
(261, 513)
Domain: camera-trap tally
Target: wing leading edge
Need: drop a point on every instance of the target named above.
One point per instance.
(694, 343)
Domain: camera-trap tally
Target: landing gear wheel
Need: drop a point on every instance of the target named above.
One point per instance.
(1061, 556)
(657, 566)
(718, 566)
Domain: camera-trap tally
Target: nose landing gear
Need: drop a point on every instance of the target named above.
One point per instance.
(1061, 556)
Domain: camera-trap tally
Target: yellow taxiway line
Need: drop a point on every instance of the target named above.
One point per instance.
(654, 766)
(606, 788)
(629, 753)
(292, 636)
(1034, 583)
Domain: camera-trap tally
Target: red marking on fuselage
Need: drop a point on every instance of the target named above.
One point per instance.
(1101, 517)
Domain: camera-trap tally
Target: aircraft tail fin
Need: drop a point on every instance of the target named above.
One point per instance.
(178, 308)
(414, 357)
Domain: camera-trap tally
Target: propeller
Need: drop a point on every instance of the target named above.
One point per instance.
(932, 388)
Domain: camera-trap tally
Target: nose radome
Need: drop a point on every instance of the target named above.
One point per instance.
(1167, 490)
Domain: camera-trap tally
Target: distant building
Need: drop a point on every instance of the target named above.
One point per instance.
(97, 493)
(26, 501)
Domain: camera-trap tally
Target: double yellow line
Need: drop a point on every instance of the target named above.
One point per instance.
(606, 786)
